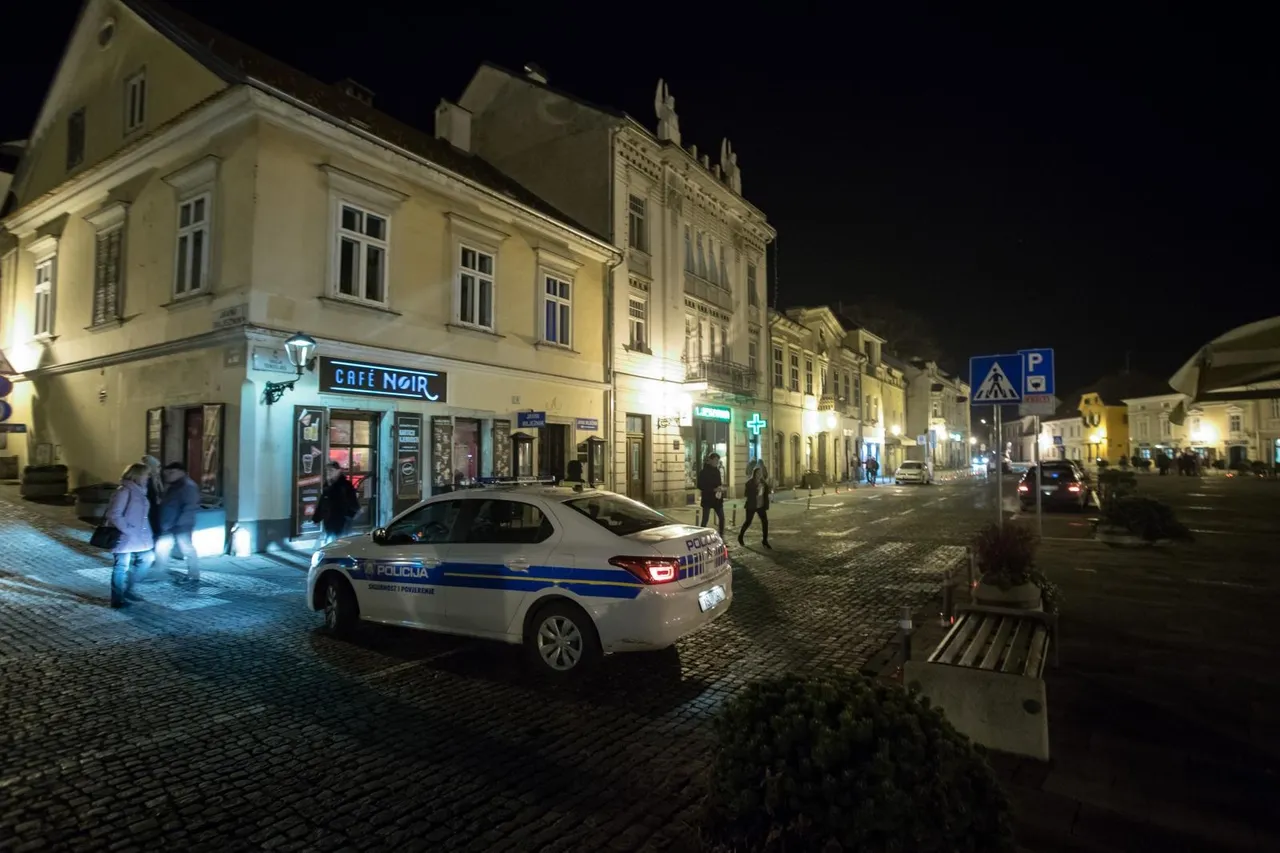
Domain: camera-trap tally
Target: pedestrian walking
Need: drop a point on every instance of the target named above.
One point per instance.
(711, 488)
(155, 493)
(338, 504)
(127, 512)
(757, 504)
(873, 470)
(178, 510)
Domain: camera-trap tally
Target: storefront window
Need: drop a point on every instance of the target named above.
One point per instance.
(522, 447)
(466, 451)
(353, 445)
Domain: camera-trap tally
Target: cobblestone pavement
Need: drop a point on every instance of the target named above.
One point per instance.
(221, 719)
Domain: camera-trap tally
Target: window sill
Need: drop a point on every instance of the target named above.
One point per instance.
(357, 303)
(637, 350)
(549, 345)
(113, 323)
(44, 339)
(467, 328)
(203, 297)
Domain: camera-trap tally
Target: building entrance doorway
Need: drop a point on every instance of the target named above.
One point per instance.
(637, 455)
(553, 450)
(353, 444)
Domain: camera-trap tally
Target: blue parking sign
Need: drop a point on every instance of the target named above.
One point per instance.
(1037, 372)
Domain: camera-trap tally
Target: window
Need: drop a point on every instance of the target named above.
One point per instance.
(1166, 430)
(808, 376)
(135, 102)
(107, 270)
(193, 246)
(475, 288)
(638, 314)
(362, 254)
(795, 372)
(1142, 429)
(688, 250)
(1275, 408)
(1235, 422)
(557, 314)
(777, 367)
(869, 349)
(75, 139)
(752, 299)
(508, 523)
(432, 524)
(723, 353)
(753, 356)
(702, 257)
(724, 270)
(857, 387)
(620, 516)
(713, 272)
(690, 338)
(639, 224)
(44, 296)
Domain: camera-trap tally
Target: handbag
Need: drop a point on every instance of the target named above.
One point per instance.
(105, 536)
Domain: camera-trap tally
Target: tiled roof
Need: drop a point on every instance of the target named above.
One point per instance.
(237, 62)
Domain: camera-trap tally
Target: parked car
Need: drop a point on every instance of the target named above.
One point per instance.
(912, 471)
(1063, 485)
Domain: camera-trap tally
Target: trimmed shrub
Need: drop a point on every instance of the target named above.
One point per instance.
(848, 764)
(1145, 517)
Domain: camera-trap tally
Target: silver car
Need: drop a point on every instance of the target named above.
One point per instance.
(912, 471)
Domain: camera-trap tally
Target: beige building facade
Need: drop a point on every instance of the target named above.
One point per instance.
(686, 318)
(175, 221)
(939, 406)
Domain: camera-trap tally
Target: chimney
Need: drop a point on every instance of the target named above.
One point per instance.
(352, 89)
(453, 124)
(534, 72)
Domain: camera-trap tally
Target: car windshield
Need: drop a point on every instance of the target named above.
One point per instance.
(619, 515)
(909, 465)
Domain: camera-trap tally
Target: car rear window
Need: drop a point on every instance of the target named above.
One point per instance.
(619, 515)
(1056, 472)
(912, 464)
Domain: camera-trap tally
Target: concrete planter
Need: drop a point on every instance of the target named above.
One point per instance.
(1021, 597)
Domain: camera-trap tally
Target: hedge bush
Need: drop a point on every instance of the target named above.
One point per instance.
(1145, 517)
(848, 764)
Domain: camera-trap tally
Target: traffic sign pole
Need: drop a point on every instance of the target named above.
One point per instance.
(1039, 491)
(999, 442)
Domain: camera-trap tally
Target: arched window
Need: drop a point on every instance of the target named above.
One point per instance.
(796, 471)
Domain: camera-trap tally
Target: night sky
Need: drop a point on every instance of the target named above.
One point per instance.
(1094, 183)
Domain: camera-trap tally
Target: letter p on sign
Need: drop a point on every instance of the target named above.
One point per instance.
(1034, 360)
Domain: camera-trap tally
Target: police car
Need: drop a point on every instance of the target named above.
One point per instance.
(570, 573)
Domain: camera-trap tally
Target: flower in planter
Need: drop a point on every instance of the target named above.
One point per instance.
(846, 763)
(1005, 555)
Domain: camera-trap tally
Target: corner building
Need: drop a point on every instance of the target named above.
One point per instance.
(187, 203)
(687, 320)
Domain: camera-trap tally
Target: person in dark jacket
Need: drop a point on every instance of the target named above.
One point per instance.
(757, 504)
(711, 488)
(178, 508)
(155, 493)
(338, 504)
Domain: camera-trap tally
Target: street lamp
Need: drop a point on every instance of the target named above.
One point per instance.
(895, 429)
(300, 348)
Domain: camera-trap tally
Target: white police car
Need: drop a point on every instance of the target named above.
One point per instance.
(570, 574)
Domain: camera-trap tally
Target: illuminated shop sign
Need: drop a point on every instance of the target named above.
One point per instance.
(339, 376)
(713, 413)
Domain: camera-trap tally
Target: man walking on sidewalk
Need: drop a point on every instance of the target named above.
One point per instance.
(178, 508)
(711, 488)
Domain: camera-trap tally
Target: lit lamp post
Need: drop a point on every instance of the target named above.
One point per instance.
(299, 349)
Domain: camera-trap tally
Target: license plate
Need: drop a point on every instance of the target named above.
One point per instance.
(1048, 490)
(709, 598)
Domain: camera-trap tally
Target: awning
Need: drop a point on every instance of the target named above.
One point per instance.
(1225, 367)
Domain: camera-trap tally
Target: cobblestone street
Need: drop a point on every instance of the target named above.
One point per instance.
(223, 719)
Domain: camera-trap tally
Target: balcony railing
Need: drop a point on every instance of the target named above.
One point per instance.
(725, 375)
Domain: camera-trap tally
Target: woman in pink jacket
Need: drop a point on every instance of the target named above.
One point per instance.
(129, 512)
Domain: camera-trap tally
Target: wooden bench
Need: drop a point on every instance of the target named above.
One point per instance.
(987, 676)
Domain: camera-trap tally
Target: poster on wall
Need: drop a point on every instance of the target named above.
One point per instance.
(502, 448)
(442, 452)
(309, 435)
(408, 472)
(211, 453)
(155, 433)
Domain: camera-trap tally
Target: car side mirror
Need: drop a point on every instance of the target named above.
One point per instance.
(380, 536)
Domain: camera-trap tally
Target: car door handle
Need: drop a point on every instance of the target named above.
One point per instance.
(517, 565)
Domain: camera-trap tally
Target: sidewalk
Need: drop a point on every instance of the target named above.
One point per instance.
(1161, 725)
(59, 519)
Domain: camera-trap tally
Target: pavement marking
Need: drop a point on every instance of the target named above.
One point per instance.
(878, 520)
(1232, 584)
(783, 531)
(905, 511)
(1083, 569)
(837, 533)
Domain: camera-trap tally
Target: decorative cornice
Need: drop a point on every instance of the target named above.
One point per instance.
(108, 215)
(43, 247)
(362, 189)
(194, 175)
(475, 230)
(556, 261)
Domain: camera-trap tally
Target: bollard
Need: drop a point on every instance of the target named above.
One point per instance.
(905, 625)
(809, 503)
(734, 522)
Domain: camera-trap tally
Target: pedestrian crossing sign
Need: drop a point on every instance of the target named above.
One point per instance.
(995, 379)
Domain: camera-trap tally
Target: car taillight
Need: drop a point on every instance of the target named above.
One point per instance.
(1074, 487)
(649, 569)
(1024, 488)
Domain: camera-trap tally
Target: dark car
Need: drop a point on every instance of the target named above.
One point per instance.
(1064, 485)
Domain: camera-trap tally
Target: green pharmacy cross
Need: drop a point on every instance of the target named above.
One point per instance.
(756, 424)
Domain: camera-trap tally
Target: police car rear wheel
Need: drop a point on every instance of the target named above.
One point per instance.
(561, 639)
(340, 608)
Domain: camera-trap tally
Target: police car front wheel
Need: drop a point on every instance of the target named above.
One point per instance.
(341, 611)
(561, 639)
